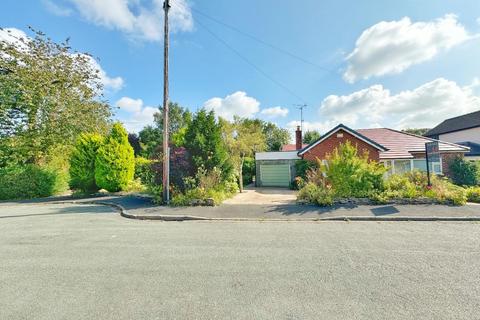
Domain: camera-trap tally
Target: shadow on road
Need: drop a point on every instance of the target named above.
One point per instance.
(79, 209)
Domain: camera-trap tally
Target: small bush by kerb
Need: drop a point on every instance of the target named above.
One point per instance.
(115, 161)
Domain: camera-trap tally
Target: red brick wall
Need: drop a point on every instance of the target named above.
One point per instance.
(447, 158)
(327, 146)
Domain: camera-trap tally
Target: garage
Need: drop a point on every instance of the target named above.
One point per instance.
(275, 169)
(275, 175)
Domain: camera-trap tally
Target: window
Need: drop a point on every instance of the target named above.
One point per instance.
(402, 166)
(421, 164)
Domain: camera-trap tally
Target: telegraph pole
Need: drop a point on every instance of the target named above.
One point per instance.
(166, 148)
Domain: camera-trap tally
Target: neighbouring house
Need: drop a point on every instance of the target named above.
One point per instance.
(400, 151)
(463, 130)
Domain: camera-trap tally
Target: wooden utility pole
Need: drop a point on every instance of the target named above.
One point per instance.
(166, 148)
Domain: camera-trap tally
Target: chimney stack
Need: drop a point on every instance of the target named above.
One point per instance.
(298, 138)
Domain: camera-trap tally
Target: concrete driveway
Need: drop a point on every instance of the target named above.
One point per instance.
(264, 196)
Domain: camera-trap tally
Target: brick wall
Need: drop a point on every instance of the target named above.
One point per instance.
(447, 158)
(327, 146)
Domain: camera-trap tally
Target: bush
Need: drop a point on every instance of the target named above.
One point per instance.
(351, 175)
(444, 191)
(58, 160)
(248, 170)
(473, 194)
(26, 182)
(463, 172)
(297, 183)
(82, 163)
(143, 170)
(320, 195)
(401, 186)
(206, 185)
(115, 161)
(303, 166)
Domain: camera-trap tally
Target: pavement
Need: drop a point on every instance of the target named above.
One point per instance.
(84, 261)
(267, 204)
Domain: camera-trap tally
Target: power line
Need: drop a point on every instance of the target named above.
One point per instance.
(265, 43)
(249, 62)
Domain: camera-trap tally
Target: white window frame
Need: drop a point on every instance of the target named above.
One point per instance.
(391, 162)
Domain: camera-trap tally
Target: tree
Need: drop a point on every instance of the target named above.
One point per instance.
(417, 131)
(48, 95)
(311, 136)
(275, 137)
(82, 163)
(463, 172)
(115, 161)
(151, 137)
(134, 141)
(178, 117)
(243, 138)
(203, 140)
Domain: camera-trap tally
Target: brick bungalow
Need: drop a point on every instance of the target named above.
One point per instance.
(398, 150)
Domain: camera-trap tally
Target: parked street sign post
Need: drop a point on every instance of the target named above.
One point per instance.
(432, 154)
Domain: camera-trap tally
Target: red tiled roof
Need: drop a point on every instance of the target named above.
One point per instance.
(402, 144)
(292, 147)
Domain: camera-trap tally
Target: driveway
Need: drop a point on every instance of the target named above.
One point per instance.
(264, 196)
(62, 261)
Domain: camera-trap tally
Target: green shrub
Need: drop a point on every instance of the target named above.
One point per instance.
(463, 172)
(320, 195)
(303, 166)
(351, 175)
(473, 194)
(143, 170)
(444, 191)
(248, 170)
(26, 182)
(206, 185)
(82, 163)
(297, 183)
(115, 161)
(401, 186)
(58, 160)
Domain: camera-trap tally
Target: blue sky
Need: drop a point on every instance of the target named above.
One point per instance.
(370, 63)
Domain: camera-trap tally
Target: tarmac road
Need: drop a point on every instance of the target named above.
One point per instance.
(61, 261)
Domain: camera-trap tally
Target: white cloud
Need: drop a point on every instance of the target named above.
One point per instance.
(425, 106)
(14, 36)
(130, 105)
(478, 20)
(275, 112)
(109, 83)
(237, 103)
(138, 115)
(132, 17)
(390, 47)
(56, 9)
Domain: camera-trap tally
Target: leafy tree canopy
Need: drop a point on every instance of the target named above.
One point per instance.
(243, 137)
(203, 139)
(417, 131)
(311, 136)
(151, 137)
(48, 95)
